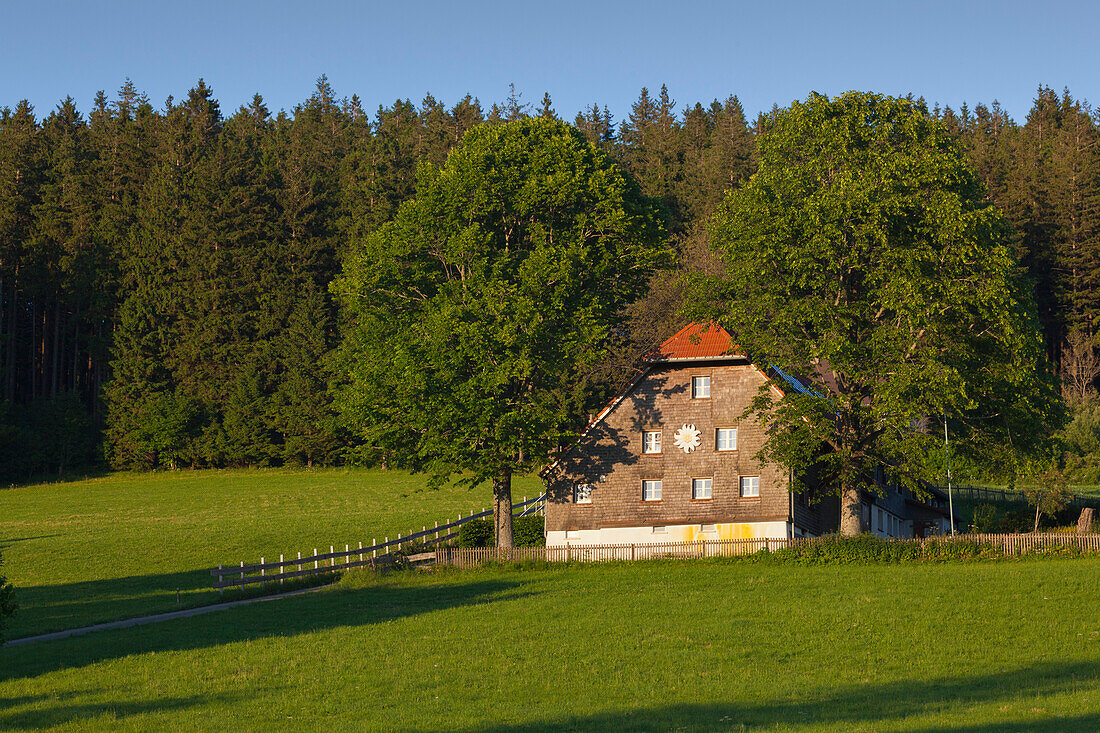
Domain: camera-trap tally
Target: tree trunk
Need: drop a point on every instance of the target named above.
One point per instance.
(502, 510)
(851, 510)
(1084, 522)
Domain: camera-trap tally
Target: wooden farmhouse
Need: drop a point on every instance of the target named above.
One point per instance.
(672, 460)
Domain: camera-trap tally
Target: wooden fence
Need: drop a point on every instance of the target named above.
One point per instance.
(464, 557)
(374, 555)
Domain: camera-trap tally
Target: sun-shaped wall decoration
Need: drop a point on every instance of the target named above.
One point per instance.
(687, 438)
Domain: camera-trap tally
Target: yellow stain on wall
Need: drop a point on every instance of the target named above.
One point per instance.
(683, 534)
(737, 531)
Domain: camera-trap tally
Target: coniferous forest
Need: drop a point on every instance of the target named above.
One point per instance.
(165, 272)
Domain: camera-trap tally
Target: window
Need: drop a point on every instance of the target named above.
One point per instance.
(582, 493)
(651, 490)
(700, 488)
(750, 486)
(879, 520)
(700, 387)
(726, 439)
(572, 534)
(651, 441)
(660, 530)
(708, 528)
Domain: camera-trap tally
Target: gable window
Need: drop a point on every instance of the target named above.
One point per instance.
(701, 488)
(582, 493)
(726, 439)
(651, 441)
(651, 490)
(700, 387)
(750, 486)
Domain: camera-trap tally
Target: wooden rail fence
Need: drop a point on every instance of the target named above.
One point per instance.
(374, 555)
(464, 557)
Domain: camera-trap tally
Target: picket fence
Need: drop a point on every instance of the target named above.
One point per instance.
(374, 555)
(465, 557)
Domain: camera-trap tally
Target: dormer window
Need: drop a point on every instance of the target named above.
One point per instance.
(700, 388)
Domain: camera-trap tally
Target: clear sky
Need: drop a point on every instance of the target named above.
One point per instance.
(580, 52)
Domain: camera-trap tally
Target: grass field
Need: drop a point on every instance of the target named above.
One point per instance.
(105, 548)
(667, 645)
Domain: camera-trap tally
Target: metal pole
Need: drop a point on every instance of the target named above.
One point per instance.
(950, 499)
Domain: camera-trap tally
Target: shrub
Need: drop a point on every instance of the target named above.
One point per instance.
(867, 548)
(7, 602)
(476, 533)
(526, 532)
(529, 531)
(985, 519)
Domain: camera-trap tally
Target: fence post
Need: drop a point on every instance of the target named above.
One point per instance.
(299, 561)
(331, 560)
(315, 560)
(374, 547)
(221, 588)
(280, 568)
(242, 575)
(360, 552)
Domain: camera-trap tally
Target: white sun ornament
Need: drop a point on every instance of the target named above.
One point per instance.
(687, 438)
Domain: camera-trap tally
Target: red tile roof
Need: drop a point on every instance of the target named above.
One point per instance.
(697, 341)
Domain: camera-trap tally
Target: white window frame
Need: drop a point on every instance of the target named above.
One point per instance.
(700, 485)
(708, 528)
(718, 439)
(651, 489)
(750, 487)
(582, 493)
(648, 447)
(700, 384)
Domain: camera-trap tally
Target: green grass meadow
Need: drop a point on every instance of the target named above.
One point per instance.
(737, 645)
(665, 645)
(107, 548)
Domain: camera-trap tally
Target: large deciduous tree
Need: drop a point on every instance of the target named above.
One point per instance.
(864, 255)
(476, 316)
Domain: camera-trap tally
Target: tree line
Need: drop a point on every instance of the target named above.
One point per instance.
(165, 273)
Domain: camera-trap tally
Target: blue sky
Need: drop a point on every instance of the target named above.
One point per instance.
(580, 52)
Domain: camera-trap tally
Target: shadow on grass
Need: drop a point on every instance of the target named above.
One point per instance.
(868, 706)
(46, 608)
(38, 716)
(340, 606)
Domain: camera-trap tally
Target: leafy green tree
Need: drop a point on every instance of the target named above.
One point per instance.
(864, 256)
(1049, 496)
(478, 311)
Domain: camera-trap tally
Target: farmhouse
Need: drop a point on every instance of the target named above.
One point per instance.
(672, 460)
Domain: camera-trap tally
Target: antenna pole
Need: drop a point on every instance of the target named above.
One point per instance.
(950, 499)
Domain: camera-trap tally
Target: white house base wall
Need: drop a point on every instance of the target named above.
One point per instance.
(670, 533)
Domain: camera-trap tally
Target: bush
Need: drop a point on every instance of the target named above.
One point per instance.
(526, 532)
(867, 548)
(7, 602)
(476, 533)
(529, 531)
(985, 519)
